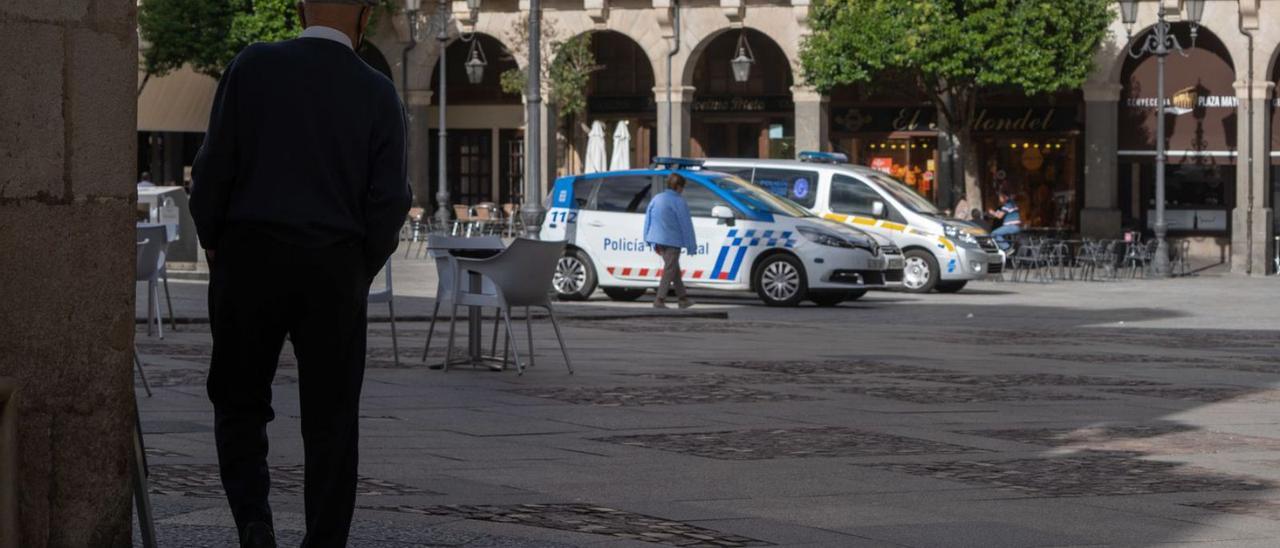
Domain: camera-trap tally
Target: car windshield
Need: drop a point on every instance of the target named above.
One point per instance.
(905, 195)
(757, 198)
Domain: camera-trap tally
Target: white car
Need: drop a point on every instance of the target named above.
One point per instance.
(941, 253)
(748, 239)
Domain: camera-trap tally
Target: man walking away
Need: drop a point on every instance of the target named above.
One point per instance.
(298, 196)
(1010, 220)
(668, 226)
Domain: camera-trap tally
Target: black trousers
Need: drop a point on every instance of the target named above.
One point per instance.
(261, 290)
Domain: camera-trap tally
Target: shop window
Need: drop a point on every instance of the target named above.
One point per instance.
(798, 186)
(629, 194)
(1041, 173)
(912, 161)
(701, 199)
(850, 196)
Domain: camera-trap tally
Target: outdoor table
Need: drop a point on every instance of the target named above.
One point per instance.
(473, 248)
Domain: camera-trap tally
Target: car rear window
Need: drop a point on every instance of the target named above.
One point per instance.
(625, 194)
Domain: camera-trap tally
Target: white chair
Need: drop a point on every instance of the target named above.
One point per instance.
(387, 295)
(521, 277)
(150, 269)
(446, 273)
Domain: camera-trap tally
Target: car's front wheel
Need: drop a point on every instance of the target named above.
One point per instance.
(919, 271)
(575, 278)
(780, 281)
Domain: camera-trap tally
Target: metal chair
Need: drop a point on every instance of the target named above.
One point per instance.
(387, 295)
(485, 217)
(461, 220)
(152, 245)
(521, 276)
(514, 224)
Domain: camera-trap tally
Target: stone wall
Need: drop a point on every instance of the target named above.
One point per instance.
(67, 155)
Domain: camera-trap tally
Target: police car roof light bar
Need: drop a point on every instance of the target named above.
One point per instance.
(676, 163)
(824, 157)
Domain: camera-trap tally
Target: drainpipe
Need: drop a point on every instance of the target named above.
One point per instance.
(675, 49)
(1249, 113)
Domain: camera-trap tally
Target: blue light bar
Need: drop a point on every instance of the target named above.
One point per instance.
(824, 157)
(676, 163)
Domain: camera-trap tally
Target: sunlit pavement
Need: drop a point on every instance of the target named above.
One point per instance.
(1132, 413)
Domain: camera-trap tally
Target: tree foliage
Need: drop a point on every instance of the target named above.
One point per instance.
(568, 74)
(208, 34)
(954, 48)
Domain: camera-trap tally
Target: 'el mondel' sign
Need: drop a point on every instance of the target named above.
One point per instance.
(877, 120)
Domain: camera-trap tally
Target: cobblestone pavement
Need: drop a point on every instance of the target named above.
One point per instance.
(1067, 414)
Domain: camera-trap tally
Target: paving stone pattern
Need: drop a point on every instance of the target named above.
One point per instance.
(657, 395)
(1189, 393)
(670, 325)
(159, 377)
(956, 394)
(1258, 508)
(1161, 439)
(788, 443)
(1032, 379)
(202, 480)
(747, 378)
(840, 367)
(1087, 474)
(587, 518)
(1115, 358)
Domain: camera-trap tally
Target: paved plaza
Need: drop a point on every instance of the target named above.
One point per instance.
(1128, 413)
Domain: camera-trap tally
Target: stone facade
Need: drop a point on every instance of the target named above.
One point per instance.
(652, 26)
(66, 209)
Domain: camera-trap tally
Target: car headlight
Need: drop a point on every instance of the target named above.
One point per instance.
(958, 234)
(831, 239)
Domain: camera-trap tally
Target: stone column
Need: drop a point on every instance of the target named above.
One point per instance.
(68, 129)
(812, 119)
(420, 166)
(680, 107)
(1100, 217)
(1252, 246)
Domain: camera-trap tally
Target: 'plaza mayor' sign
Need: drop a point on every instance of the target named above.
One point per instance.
(887, 120)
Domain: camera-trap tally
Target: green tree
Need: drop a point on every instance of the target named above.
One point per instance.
(568, 74)
(953, 49)
(207, 34)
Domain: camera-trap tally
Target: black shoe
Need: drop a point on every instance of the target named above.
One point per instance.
(257, 534)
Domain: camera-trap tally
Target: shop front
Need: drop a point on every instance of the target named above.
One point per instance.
(750, 118)
(1200, 115)
(1031, 150)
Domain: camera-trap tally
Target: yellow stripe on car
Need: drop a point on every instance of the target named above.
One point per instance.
(947, 243)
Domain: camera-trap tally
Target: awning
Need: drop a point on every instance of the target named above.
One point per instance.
(179, 101)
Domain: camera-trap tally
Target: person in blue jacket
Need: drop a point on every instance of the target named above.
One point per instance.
(668, 226)
(1010, 217)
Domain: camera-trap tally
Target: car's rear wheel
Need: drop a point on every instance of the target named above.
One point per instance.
(919, 271)
(780, 281)
(623, 293)
(951, 287)
(575, 278)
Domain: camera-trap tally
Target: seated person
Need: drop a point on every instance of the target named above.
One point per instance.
(1010, 220)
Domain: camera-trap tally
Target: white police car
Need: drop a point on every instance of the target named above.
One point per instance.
(747, 239)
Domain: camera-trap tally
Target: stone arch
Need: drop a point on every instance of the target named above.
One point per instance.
(1119, 58)
(769, 55)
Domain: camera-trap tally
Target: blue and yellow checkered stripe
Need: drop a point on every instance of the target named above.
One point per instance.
(737, 243)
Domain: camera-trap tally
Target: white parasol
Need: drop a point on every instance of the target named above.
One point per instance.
(597, 159)
(621, 148)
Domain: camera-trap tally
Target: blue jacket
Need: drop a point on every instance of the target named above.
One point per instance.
(667, 222)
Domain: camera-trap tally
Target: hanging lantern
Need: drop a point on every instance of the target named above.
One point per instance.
(476, 63)
(743, 60)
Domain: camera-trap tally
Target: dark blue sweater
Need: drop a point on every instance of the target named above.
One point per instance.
(306, 145)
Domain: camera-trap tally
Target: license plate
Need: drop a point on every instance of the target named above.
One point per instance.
(895, 264)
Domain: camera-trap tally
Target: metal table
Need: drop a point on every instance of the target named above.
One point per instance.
(473, 248)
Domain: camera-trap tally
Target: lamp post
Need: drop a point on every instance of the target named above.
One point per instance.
(1160, 42)
(475, 66)
(531, 205)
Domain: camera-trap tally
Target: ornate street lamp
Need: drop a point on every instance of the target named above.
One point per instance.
(1160, 42)
(743, 61)
(476, 62)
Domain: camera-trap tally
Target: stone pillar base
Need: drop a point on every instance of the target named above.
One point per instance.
(1098, 222)
(1258, 259)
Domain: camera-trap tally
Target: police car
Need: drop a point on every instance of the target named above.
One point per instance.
(941, 254)
(748, 239)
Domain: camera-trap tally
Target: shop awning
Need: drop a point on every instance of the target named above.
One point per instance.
(179, 101)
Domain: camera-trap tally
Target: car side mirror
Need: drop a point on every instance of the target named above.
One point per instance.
(723, 214)
(877, 209)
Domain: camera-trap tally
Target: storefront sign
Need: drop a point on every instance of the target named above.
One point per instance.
(882, 163)
(743, 104)
(986, 119)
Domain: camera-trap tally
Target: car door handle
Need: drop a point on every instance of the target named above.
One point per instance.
(596, 224)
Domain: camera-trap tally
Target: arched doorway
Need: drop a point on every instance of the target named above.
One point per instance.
(1200, 137)
(751, 119)
(621, 90)
(485, 145)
